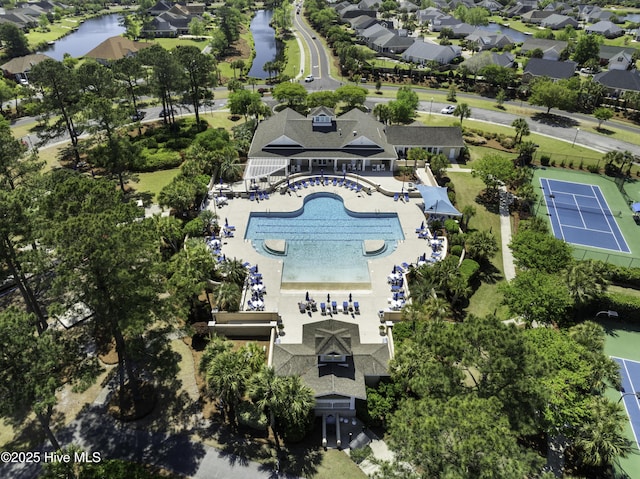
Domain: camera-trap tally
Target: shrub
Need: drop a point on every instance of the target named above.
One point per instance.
(468, 269)
(178, 144)
(553, 162)
(627, 306)
(451, 226)
(581, 165)
(570, 164)
(153, 160)
(456, 250)
(624, 276)
(593, 169)
(507, 142)
(249, 415)
(544, 160)
(562, 164)
(359, 455)
(452, 196)
(456, 239)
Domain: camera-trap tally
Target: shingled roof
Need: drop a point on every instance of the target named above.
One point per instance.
(23, 64)
(416, 135)
(332, 337)
(115, 48)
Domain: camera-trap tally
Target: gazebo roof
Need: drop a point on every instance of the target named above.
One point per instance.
(436, 201)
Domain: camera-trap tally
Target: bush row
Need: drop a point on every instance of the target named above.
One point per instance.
(627, 307)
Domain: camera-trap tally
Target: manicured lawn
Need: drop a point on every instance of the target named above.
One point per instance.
(56, 31)
(337, 464)
(486, 300)
(292, 56)
(170, 43)
(154, 181)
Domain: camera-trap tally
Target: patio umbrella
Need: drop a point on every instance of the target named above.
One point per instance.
(221, 185)
(350, 300)
(344, 174)
(422, 225)
(328, 298)
(306, 296)
(393, 271)
(226, 222)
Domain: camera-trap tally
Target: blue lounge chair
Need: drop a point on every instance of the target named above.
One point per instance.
(356, 307)
(352, 186)
(302, 307)
(252, 196)
(266, 195)
(358, 188)
(228, 234)
(340, 182)
(317, 181)
(406, 197)
(334, 307)
(335, 181)
(306, 184)
(406, 266)
(396, 197)
(345, 307)
(323, 309)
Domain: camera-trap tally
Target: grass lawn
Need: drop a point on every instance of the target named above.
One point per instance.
(55, 31)
(337, 464)
(486, 300)
(154, 181)
(292, 56)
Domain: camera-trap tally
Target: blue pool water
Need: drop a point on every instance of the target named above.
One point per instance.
(325, 241)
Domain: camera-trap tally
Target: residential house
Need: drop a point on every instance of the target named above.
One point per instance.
(622, 61)
(21, 20)
(521, 7)
(391, 42)
(592, 13)
(490, 5)
(558, 22)
(173, 21)
(19, 68)
(408, 6)
(428, 15)
(560, 8)
(335, 364)
(607, 52)
(486, 41)
(475, 63)
(361, 23)
(605, 28)
(462, 30)
(446, 21)
(447, 140)
(369, 4)
(551, 49)
(161, 6)
(539, 67)
(619, 81)
(422, 52)
(535, 16)
(115, 48)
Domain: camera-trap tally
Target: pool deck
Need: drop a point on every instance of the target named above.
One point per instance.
(371, 299)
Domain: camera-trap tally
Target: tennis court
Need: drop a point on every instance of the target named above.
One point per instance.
(630, 374)
(580, 215)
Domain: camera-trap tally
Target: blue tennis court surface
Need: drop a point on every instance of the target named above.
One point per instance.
(580, 215)
(630, 374)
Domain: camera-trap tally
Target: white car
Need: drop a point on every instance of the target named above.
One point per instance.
(448, 110)
(309, 78)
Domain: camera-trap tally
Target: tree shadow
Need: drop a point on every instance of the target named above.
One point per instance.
(552, 119)
(605, 131)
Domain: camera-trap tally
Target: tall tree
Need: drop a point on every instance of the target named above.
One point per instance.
(587, 48)
(539, 250)
(14, 39)
(552, 94)
(462, 111)
(481, 245)
(60, 90)
(199, 69)
(602, 114)
(128, 70)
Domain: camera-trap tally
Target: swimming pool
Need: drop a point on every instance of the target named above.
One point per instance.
(324, 240)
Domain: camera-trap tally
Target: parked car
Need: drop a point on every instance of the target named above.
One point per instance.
(167, 112)
(448, 110)
(138, 116)
(309, 78)
(313, 37)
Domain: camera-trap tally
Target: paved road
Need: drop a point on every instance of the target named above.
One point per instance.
(95, 431)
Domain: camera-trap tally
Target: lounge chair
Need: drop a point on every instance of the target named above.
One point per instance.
(303, 307)
(228, 234)
(334, 307)
(358, 188)
(352, 186)
(396, 197)
(345, 307)
(266, 195)
(306, 184)
(252, 196)
(230, 227)
(335, 181)
(406, 266)
(323, 309)
(313, 305)
(406, 197)
(356, 307)
(340, 182)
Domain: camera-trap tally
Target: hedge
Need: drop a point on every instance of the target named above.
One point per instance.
(468, 269)
(624, 276)
(160, 159)
(627, 307)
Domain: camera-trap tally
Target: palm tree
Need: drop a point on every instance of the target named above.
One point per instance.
(468, 212)
(481, 245)
(586, 280)
(437, 308)
(227, 375)
(459, 288)
(227, 296)
(522, 129)
(233, 271)
(463, 111)
(601, 437)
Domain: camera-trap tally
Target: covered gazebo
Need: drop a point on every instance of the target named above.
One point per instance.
(437, 203)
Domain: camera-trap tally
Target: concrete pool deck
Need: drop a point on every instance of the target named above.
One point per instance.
(371, 299)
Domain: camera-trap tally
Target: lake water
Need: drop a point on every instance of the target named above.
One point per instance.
(635, 17)
(88, 36)
(264, 38)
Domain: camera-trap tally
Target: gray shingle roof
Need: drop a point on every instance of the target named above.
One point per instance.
(444, 136)
(539, 67)
(619, 79)
(345, 379)
(353, 135)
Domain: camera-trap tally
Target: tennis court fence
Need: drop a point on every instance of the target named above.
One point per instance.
(598, 211)
(611, 258)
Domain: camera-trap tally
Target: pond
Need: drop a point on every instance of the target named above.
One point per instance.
(265, 43)
(88, 36)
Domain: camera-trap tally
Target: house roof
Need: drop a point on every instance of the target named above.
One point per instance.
(604, 27)
(489, 40)
(362, 22)
(24, 64)
(436, 201)
(115, 48)
(543, 44)
(353, 135)
(557, 20)
(619, 79)
(325, 337)
(427, 51)
(609, 51)
(419, 135)
(539, 67)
